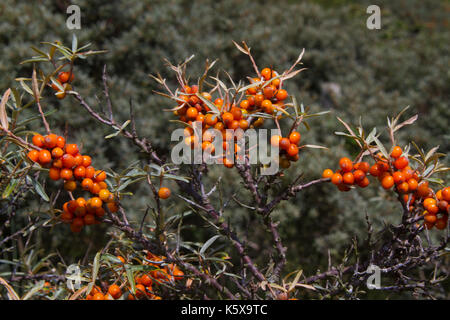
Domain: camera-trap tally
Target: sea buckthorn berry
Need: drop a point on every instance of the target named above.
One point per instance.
(396, 152)
(145, 280)
(364, 182)
(191, 113)
(114, 291)
(383, 166)
(348, 178)
(276, 82)
(78, 222)
(243, 124)
(60, 94)
(443, 205)
(346, 164)
(266, 104)
(233, 125)
(164, 193)
(423, 190)
(398, 177)
(60, 142)
(403, 187)
(284, 144)
(237, 113)
(79, 172)
(33, 155)
(428, 201)
(66, 217)
(359, 175)
(50, 141)
(269, 92)
(336, 179)
(387, 182)
(244, 104)
(72, 206)
(86, 161)
(211, 119)
(90, 172)
(68, 161)
(66, 76)
(96, 202)
(266, 73)
(292, 150)
(281, 94)
(72, 149)
(259, 98)
(100, 175)
(432, 208)
(327, 173)
(44, 156)
(66, 174)
(70, 185)
(343, 187)
(87, 183)
(104, 194)
(295, 137)
(38, 140)
(228, 163)
(363, 166)
(54, 173)
(439, 195)
(78, 159)
(430, 218)
(57, 163)
(57, 153)
(401, 163)
(408, 173)
(374, 170)
(227, 117)
(95, 189)
(446, 194)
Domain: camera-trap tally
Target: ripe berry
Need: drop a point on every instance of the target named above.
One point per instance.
(57, 153)
(292, 150)
(441, 223)
(100, 175)
(401, 163)
(364, 182)
(266, 73)
(336, 179)
(282, 94)
(45, 156)
(346, 164)
(60, 142)
(87, 183)
(79, 172)
(191, 113)
(284, 144)
(70, 185)
(275, 140)
(114, 291)
(66, 174)
(403, 187)
(412, 184)
(54, 173)
(363, 166)
(38, 140)
(295, 137)
(446, 194)
(387, 182)
(50, 141)
(348, 178)
(374, 170)
(423, 190)
(90, 172)
(33, 155)
(68, 161)
(359, 175)
(104, 194)
(89, 219)
(398, 177)
(396, 152)
(164, 193)
(72, 149)
(327, 173)
(66, 76)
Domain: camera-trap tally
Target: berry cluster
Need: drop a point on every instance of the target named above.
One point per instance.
(349, 174)
(64, 79)
(265, 97)
(288, 147)
(66, 163)
(144, 282)
(396, 172)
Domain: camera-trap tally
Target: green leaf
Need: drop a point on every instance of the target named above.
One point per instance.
(208, 244)
(381, 147)
(39, 189)
(74, 43)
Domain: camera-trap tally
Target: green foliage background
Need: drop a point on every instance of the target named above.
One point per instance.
(378, 73)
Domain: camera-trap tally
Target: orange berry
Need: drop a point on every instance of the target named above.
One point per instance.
(275, 140)
(387, 182)
(104, 194)
(295, 137)
(266, 73)
(243, 124)
(90, 172)
(346, 164)
(60, 142)
(446, 194)
(267, 105)
(348, 178)
(336, 179)
(282, 94)
(70, 185)
(66, 76)
(96, 202)
(98, 296)
(71, 206)
(112, 207)
(72, 149)
(374, 170)
(432, 208)
(114, 291)
(423, 190)
(68, 161)
(403, 187)
(66, 174)
(66, 217)
(244, 104)
(396, 152)
(359, 175)
(412, 184)
(401, 163)
(86, 161)
(293, 150)
(79, 172)
(78, 222)
(44, 156)
(363, 166)
(38, 140)
(269, 92)
(33, 155)
(95, 189)
(100, 175)
(430, 218)
(50, 141)
(284, 144)
(191, 113)
(441, 223)
(364, 182)
(227, 117)
(146, 280)
(398, 177)
(57, 153)
(327, 173)
(211, 119)
(87, 183)
(89, 219)
(54, 173)
(78, 159)
(164, 193)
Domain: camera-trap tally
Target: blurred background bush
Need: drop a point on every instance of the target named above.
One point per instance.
(352, 71)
